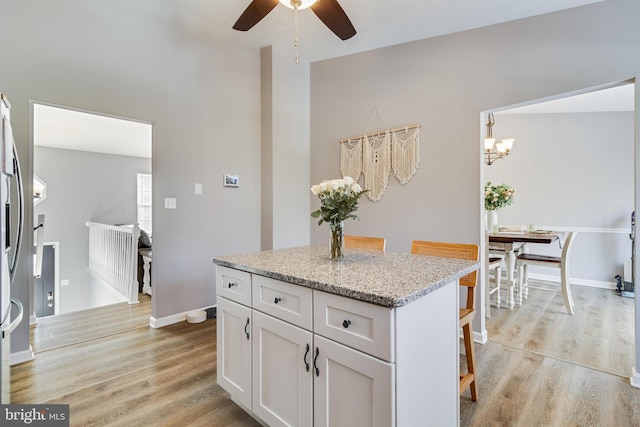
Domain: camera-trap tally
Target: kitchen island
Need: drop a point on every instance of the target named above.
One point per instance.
(371, 340)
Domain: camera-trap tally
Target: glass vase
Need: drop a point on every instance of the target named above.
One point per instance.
(492, 221)
(336, 234)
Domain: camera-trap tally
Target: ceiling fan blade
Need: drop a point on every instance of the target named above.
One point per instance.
(257, 10)
(334, 17)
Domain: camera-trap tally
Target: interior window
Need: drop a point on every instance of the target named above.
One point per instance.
(144, 202)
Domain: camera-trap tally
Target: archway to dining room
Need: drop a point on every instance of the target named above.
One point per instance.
(572, 167)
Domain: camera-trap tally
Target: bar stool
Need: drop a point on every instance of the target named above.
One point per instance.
(462, 251)
(362, 242)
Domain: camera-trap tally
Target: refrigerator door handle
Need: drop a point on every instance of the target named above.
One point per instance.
(11, 326)
(18, 175)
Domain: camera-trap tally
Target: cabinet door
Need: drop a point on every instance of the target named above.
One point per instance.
(282, 375)
(351, 389)
(234, 350)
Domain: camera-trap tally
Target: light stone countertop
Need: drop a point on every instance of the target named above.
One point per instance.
(387, 279)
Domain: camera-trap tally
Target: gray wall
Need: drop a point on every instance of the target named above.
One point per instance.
(139, 60)
(572, 171)
(83, 186)
(444, 84)
(285, 149)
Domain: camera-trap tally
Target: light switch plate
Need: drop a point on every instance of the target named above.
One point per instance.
(169, 203)
(198, 189)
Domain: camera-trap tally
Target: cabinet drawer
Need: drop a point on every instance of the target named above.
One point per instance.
(233, 284)
(288, 302)
(357, 324)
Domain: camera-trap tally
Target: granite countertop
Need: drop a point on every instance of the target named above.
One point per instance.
(387, 279)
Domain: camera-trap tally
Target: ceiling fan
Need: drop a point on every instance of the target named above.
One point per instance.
(329, 12)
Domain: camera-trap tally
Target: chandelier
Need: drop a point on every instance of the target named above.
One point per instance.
(495, 150)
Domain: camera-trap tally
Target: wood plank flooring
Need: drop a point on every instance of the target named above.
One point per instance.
(598, 335)
(132, 375)
(128, 374)
(520, 388)
(64, 329)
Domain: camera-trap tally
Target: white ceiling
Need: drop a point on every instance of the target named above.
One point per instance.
(619, 98)
(78, 130)
(379, 23)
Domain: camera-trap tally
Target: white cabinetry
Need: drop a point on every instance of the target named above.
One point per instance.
(351, 389)
(233, 331)
(282, 385)
(312, 358)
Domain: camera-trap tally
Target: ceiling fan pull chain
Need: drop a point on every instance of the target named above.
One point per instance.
(295, 34)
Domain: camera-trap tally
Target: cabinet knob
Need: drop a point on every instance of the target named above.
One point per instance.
(231, 284)
(346, 323)
(277, 300)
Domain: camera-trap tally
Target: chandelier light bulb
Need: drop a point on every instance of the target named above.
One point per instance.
(488, 143)
(508, 143)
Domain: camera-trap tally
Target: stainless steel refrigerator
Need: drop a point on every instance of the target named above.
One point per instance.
(11, 221)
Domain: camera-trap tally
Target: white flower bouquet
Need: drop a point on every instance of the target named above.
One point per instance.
(338, 198)
(338, 202)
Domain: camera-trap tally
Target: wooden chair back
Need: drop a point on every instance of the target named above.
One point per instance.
(362, 242)
(452, 250)
(449, 250)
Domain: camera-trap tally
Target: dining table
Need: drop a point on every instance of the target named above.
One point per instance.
(509, 241)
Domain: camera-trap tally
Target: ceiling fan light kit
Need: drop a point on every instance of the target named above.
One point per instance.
(298, 4)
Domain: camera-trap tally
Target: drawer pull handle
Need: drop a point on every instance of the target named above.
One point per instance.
(231, 284)
(245, 328)
(277, 300)
(346, 323)
(315, 362)
(306, 353)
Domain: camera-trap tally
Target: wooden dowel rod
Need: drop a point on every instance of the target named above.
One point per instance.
(382, 132)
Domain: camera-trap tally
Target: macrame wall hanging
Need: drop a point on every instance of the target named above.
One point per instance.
(378, 154)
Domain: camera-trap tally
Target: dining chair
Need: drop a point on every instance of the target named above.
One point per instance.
(524, 260)
(362, 242)
(462, 251)
(493, 263)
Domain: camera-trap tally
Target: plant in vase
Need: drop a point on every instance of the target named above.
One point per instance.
(496, 197)
(338, 202)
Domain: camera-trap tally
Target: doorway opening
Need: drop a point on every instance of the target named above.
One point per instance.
(88, 163)
(572, 168)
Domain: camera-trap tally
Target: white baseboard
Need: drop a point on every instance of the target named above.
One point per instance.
(478, 337)
(574, 281)
(156, 323)
(635, 378)
(21, 357)
(481, 338)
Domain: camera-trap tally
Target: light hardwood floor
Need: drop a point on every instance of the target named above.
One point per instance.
(126, 374)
